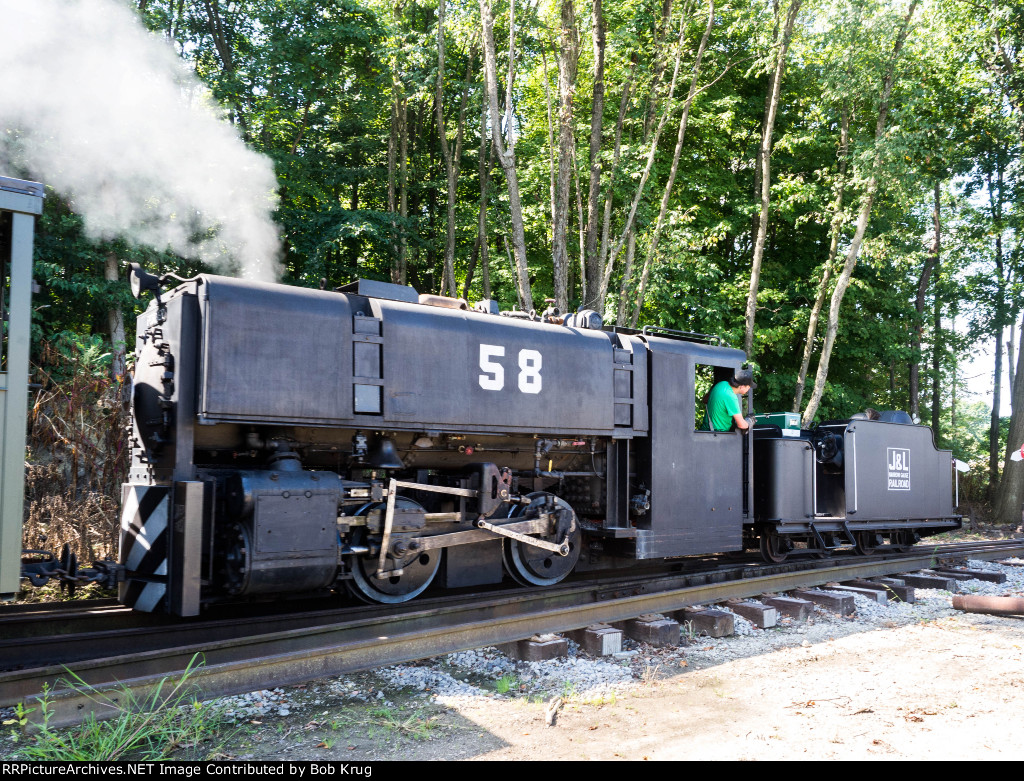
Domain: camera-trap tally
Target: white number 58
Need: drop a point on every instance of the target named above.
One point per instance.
(493, 377)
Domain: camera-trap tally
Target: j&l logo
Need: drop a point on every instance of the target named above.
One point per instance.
(899, 469)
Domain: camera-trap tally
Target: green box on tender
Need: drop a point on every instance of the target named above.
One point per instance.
(787, 420)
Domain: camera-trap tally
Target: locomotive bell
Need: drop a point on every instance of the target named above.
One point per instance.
(384, 455)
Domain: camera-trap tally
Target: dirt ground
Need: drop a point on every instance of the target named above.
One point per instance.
(951, 688)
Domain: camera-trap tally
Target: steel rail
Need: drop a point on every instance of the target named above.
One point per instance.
(277, 658)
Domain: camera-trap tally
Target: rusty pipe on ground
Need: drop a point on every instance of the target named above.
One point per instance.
(996, 606)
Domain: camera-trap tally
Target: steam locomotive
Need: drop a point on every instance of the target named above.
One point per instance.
(368, 438)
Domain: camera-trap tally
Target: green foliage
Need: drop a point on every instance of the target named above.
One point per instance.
(316, 85)
(507, 683)
(167, 723)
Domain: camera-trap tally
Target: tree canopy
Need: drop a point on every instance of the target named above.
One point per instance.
(842, 177)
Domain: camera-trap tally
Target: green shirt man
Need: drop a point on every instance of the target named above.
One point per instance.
(724, 410)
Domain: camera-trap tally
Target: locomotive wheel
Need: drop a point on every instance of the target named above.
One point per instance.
(417, 573)
(867, 542)
(774, 549)
(531, 566)
(236, 543)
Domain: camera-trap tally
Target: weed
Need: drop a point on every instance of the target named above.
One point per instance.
(569, 690)
(77, 450)
(649, 674)
(688, 633)
(168, 720)
(507, 683)
(602, 698)
(390, 723)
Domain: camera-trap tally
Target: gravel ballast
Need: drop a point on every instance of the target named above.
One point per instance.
(893, 681)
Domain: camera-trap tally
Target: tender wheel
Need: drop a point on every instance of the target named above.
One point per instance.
(820, 552)
(774, 549)
(418, 571)
(867, 542)
(902, 541)
(532, 566)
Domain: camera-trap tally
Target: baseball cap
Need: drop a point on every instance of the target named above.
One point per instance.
(743, 377)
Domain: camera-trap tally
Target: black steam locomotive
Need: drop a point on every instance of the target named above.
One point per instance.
(295, 440)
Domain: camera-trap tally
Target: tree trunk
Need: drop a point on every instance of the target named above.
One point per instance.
(115, 324)
(569, 51)
(221, 37)
(592, 261)
(1010, 494)
(997, 373)
(843, 282)
(919, 304)
(392, 192)
(484, 166)
(937, 363)
(652, 246)
(826, 272)
(403, 183)
(652, 151)
(1011, 352)
(451, 162)
(581, 228)
(765, 158)
(592, 284)
(660, 60)
(506, 152)
(993, 426)
(551, 139)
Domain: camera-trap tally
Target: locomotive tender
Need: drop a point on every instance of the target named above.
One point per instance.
(291, 440)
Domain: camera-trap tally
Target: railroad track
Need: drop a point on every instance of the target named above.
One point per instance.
(250, 651)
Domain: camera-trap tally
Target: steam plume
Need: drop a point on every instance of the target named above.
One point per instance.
(104, 112)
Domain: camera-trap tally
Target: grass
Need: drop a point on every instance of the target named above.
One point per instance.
(687, 633)
(602, 698)
(507, 683)
(649, 675)
(415, 725)
(389, 722)
(168, 721)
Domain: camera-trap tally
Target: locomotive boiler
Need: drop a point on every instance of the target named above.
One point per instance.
(290, 440)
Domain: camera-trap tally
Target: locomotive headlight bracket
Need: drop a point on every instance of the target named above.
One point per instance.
(142, 281)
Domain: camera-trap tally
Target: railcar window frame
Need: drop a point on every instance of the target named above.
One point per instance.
(705, 377)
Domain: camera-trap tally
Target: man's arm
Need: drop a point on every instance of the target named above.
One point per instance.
(740, 422)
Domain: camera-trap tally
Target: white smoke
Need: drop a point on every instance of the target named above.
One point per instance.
(107, 114)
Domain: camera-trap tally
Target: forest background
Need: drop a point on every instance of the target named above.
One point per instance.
(834, 185)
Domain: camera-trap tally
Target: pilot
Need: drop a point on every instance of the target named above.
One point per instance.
(724, 410)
